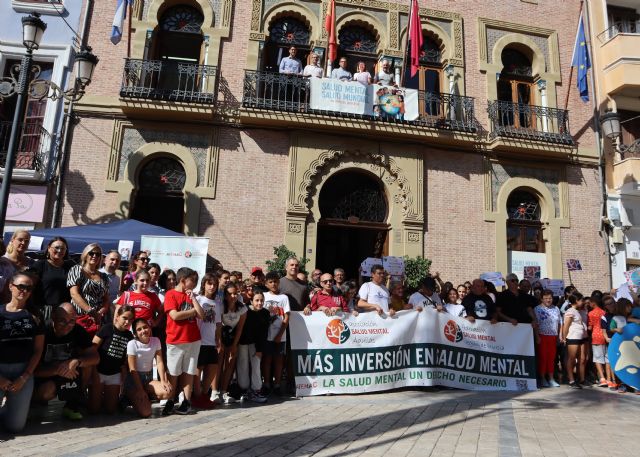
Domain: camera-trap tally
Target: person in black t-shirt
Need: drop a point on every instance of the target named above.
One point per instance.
(515, 305)
(21, 342)
(68, 352)
(478, 304)
(111, 341)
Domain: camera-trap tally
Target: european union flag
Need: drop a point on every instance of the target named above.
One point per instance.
(581, 61)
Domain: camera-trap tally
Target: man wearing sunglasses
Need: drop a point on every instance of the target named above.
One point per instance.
(327, 299)
(68, 350)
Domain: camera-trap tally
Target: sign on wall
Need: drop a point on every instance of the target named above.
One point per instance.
(518, 260)
(26, 203)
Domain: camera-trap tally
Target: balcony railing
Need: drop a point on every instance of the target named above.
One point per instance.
(630, 27)
(33, 146)
(529, 122)
(273, 91)
(169, 80)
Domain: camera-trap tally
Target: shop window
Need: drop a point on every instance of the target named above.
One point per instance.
(284, 33)
(357, 44)
(524, 229)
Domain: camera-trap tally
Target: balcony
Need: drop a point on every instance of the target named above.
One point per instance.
(620, 51)
(529, 122)
(32, 149)
(169, 80)
(291, 94)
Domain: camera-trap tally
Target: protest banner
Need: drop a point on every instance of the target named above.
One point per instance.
(367, 264)
(368, 353)
(393, 265)
(177, 251)
(383, 102)
(633, 278)
(554, 285)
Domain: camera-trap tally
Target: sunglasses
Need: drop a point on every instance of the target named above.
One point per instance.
(94, 254)
(326, 281)
(59, 248)
(144, 259)
(23, 287)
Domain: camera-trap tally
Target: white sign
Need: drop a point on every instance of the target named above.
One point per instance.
(35, 243)
(554, 285)
(493, 277)
(517, 260)
(367, 264)
(347, 354)
(175, 252)
(393, 265)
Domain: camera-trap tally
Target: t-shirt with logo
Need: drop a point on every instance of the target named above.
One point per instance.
(113, 349)
(479, 306)
(17, 333)
(549, 319)
(419, 300)
(144, 353)
(375, 294)
(455, 309)
(595, 315)
(212, 317)
(278, 306)
(146, 304)
(183, 331)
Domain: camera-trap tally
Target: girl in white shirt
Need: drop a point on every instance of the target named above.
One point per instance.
(452, 306)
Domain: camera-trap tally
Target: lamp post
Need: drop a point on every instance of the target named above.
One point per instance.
(25, 86)
(610, 125)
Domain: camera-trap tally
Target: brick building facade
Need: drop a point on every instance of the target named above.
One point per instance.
(492, 170)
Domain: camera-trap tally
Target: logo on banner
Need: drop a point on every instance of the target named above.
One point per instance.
(338, 332)
(452, 332)
(188, 254)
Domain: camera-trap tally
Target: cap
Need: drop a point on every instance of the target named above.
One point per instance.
(255, 270)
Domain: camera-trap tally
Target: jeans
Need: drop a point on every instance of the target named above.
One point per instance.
(13, 415)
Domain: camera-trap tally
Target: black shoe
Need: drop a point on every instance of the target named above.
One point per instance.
(184, 408)
(575, 385)
(123, 403)
(168, 408)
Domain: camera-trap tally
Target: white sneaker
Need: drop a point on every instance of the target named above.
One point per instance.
(553, 383)
(216, 397)
(228, 399)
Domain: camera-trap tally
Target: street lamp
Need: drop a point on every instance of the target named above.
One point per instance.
(24, 82)
(610, 125)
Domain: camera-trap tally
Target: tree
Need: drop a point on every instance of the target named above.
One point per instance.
(282, 253)
(415, 270)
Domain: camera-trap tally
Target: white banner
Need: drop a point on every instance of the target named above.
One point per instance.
(372, 100)
(368, 353)
(177, 251)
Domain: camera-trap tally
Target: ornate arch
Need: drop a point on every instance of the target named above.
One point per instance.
(367, 21)
(328, 163)
(438, 34)
(158, 7)
(523, 44)
(295, 10)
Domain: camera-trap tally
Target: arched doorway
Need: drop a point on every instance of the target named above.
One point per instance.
(179, 41)
(353, 223)
(524, 228)
(159, 197)
(515, 89)
(284, 33)
(357, 43)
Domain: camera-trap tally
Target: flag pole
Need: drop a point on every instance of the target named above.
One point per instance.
(129, 13)
(566, 100)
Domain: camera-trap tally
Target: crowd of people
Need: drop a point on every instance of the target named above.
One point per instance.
(102, 341)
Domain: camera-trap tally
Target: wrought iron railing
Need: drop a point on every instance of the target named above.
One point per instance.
(529, 122)
(273, 91)
(169, 80)
(33, 146)
(630, 27)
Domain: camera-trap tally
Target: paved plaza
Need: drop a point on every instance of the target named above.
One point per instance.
(550, 423)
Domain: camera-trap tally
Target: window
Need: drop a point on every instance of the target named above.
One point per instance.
(357, 43)
(524, 229)
(428, 79)
(515, 87)
(622, 20)
(284, 33)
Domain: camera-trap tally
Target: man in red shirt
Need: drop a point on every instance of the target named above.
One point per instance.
(327, 299)
(183, 336)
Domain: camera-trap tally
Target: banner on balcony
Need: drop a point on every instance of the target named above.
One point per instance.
(367, 353)
(175, 252)
(384, 102)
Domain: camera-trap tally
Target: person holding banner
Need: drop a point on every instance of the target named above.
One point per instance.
(374, 296)
(426, 296)
(327, 300)
(478, 304)
(385, 77)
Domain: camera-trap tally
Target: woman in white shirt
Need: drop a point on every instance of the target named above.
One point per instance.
(362, 75)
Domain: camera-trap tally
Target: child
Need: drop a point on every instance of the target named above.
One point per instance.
(274, 351)
(140, 386)
(453, 305)
(183, 337)
(549, 329)
(146, 304)
(111, 341)
(211, 302)
(252, 342)
(599, 344)
(575, 331)
(233, 319)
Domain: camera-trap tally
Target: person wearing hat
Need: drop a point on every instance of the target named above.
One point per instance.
(426, 296)
(257, 280)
